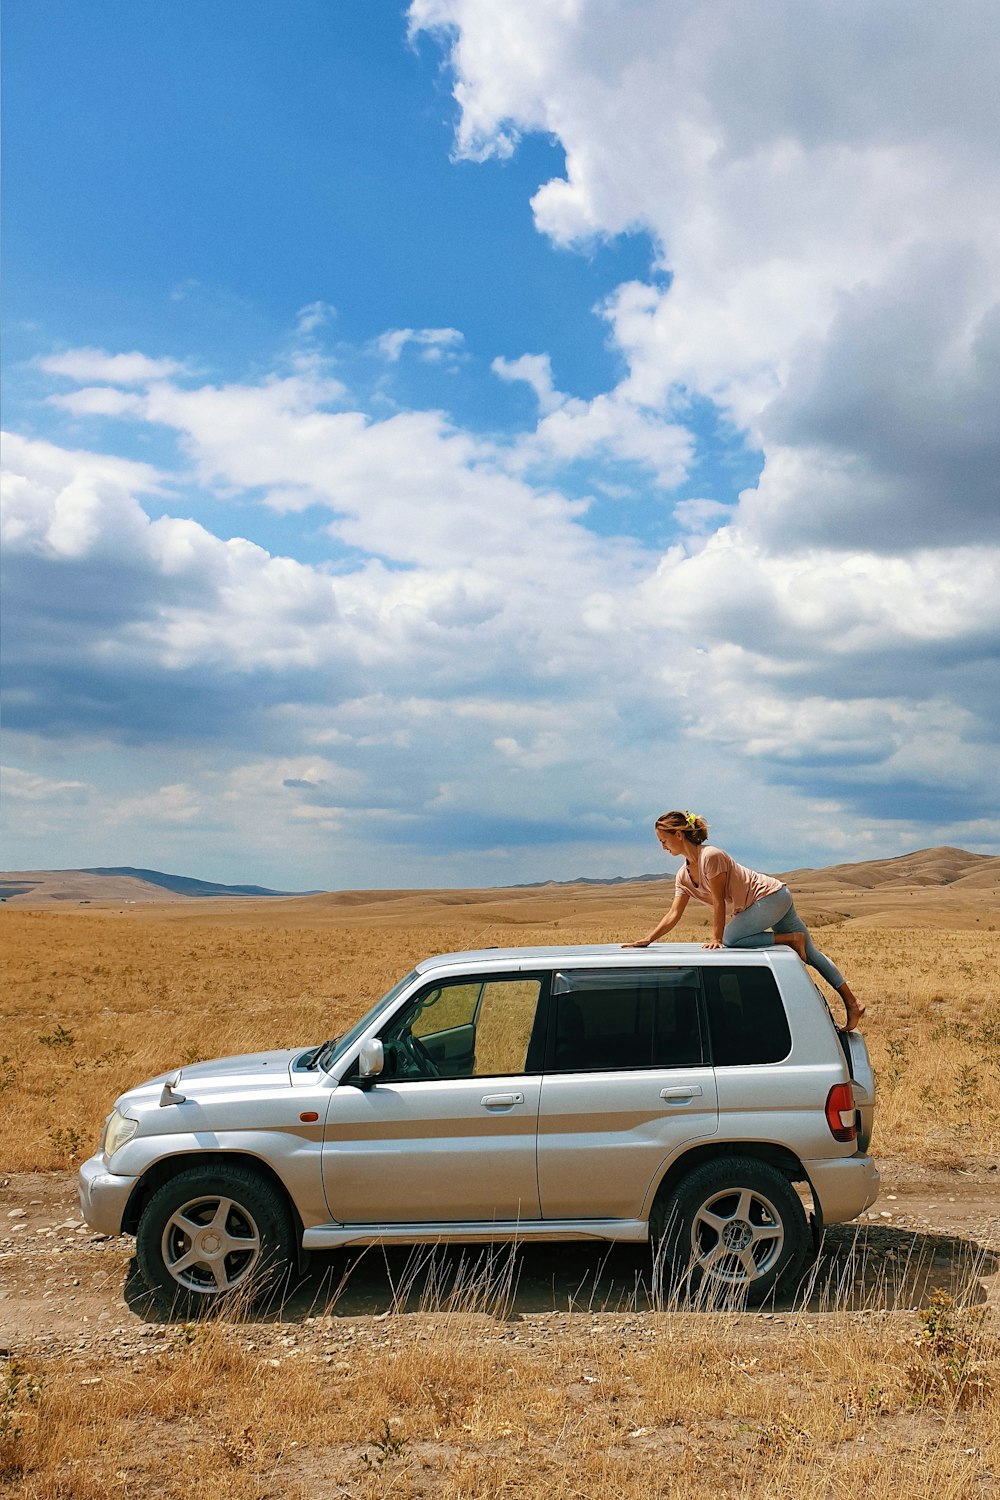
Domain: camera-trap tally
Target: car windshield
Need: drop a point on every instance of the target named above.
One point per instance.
(333, 1051)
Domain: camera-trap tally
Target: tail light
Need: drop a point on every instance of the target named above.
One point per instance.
(840, 1112)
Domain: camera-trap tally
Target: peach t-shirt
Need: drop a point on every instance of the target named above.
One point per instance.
(743, 887)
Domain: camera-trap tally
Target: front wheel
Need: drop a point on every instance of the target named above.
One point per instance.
(211, 1232)
(734, 1228)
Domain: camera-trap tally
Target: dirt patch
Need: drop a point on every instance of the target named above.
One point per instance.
(62, 1285)
(383, 1374)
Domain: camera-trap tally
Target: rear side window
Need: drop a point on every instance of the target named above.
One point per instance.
(746, 1017)
(609, 1020)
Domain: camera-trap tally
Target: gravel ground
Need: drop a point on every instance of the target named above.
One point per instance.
(66, 1290)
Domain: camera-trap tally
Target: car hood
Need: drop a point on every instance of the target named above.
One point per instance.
(261, 1069)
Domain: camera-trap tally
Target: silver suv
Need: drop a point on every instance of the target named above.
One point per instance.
(695, 1098)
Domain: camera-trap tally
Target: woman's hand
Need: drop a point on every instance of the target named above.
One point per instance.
(640, 943)
(713, 943)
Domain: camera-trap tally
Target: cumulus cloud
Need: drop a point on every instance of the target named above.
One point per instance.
(476, 671)
(821, 183)
(563, 677)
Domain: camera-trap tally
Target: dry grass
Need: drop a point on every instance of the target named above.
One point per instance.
(459, 1408)
(457, 1404)
(97, 1001)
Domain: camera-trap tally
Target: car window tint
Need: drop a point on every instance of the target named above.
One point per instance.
(746, 1017)
(606, 1021)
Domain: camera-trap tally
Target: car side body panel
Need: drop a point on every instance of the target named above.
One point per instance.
(604, 1138)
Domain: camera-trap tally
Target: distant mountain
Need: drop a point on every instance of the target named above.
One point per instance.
(119, 883)
(889, 883)
(940, 866)
(542, 885)
(186, 885)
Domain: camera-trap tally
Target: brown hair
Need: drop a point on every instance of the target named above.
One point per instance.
(694, 829)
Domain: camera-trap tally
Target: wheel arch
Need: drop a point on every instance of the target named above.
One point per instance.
(779, 1157)
(169, 1167)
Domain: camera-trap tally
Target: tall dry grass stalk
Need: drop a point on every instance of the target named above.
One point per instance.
(454, 1404)
(95, 1002)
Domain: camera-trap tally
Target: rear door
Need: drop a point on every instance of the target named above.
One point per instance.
(626, 1084)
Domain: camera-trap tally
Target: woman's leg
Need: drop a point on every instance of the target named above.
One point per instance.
(755, 927)
(791, 924)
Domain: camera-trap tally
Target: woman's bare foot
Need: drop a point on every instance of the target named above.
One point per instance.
(855, 1010)
(796, 940)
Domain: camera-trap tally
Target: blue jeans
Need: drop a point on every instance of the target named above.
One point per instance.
(755, 928)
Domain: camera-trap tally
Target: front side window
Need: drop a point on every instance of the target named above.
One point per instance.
(746, 1017)
(473, 1028)
(608, 1020)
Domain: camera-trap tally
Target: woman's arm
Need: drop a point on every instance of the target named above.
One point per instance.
(665, 924)
(717, 887)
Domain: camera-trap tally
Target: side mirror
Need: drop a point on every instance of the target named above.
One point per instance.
(371, 1058)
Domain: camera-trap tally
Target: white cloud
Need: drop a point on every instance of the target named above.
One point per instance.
(433, 343)
(118, 369)
(700, 516)
(819, 601)
(535, 370)
(821, 183)
(99, 401)
(708, 638)
(66, 503)
(168, 804)
(312, 317)
(28, 786)
(611, 427)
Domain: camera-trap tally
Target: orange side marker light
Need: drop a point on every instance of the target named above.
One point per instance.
(308, 1115)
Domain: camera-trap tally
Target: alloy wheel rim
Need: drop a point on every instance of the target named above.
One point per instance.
(210, 1244)
(737, 1236)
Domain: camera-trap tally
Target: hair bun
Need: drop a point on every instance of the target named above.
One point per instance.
(694, 829)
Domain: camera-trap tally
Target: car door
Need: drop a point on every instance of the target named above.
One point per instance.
(446, 1134)
(625, 1085)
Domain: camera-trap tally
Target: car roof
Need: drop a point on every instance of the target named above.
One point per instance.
(601, 955)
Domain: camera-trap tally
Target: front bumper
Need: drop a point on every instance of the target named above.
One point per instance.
(843, 1186)
(103, 1196)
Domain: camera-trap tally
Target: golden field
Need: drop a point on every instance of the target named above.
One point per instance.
(464, 1408)
(95, 1000)
(468, 1398)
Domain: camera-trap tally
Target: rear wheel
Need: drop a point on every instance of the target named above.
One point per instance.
(733, 1229)
(214, 1233)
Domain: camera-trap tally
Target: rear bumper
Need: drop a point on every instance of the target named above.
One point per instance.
(103, 1196)
(843, 1187)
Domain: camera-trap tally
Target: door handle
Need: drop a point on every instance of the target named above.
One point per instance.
(682, 1092)
(501, 1101)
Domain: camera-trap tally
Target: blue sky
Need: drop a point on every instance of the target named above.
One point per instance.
(437, 441)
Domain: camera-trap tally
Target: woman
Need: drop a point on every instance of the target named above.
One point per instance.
(749, 910)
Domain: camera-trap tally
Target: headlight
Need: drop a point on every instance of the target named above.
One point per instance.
(118, 1132)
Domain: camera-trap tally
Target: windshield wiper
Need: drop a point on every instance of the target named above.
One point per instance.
(318, 1059)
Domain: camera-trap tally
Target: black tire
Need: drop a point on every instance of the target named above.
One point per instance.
(733, 1230)
(215, 1234)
